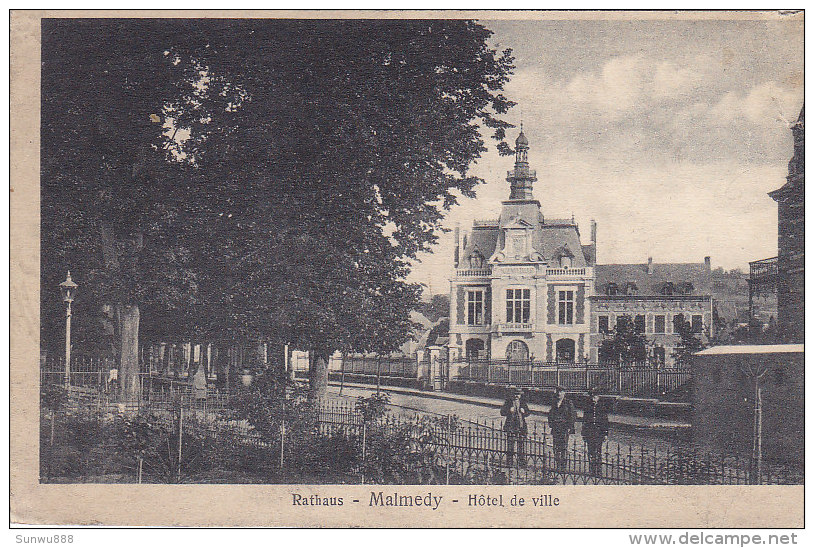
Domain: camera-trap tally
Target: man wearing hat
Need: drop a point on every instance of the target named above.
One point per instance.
(515, 409)
(561, 419)
(595, 426)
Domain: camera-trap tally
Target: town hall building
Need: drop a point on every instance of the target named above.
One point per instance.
(527, 289)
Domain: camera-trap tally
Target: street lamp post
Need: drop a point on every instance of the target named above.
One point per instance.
(68, 289)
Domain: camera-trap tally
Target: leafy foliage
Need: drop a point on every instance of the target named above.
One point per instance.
(52, 396)
(688, 344)
(257, 179)
(436, 308)
(625, 345)
(277, 409)
(373, 407)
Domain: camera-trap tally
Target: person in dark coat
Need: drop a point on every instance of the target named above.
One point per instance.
(561, 419)
(515, 409)
(595, 426)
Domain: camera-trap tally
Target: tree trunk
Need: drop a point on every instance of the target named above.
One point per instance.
(129, 364)
(318, 374)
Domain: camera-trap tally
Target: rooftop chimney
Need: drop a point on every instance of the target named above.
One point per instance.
(708, 262)
(465, 237)
(593, 231)
(650, 265)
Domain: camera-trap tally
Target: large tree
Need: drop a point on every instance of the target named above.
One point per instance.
(116, 207)
(270, 180)
(350, 141)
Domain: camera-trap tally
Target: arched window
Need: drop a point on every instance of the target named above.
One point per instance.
(474, 348)
(517, 351)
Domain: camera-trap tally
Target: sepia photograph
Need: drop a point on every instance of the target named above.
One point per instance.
(414, 254)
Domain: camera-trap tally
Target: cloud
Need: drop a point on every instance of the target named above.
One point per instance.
(768, 102)
(670, 80)
(622, 85)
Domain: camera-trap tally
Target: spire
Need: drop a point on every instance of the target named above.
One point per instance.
(521, 178)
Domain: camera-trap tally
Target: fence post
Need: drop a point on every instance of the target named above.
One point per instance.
(180, 439)
(342, 374)
(658, 381)
(449, 443)
(378, 372)
(364, 434)
(282, 444)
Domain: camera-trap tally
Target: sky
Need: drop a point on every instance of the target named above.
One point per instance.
(668, 133)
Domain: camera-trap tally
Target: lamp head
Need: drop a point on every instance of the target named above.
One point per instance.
(68, 289)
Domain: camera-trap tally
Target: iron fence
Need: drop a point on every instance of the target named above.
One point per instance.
(472, 450)
(385, 366)
(632, 381)
(449, 449)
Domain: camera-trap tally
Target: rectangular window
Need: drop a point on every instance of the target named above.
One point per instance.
(658, 324)
(474, 307)
(518, 305)
(697, 323)
(639, 323)
(566, 302)
(603, 324)
(678, 323)
(659, 355)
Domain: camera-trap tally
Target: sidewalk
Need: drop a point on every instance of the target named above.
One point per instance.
(619, 421)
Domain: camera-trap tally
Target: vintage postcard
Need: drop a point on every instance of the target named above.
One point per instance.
(407, 269)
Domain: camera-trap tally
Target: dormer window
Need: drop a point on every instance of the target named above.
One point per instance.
(686, 288)
(476, 260)
(631, 289)
(667, 288)
(612, 289)
(564, 256)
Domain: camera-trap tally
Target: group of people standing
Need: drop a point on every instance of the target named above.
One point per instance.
(562, 419)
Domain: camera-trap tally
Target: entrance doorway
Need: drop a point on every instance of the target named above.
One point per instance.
(565, 351)
(517, 351)
(474, 349)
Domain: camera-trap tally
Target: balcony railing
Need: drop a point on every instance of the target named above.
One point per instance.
(518, 173)
(474, 272)
(565, 272)
(763, 270)
(516, 327)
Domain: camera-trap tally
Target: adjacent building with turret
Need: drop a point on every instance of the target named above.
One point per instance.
(790, 200)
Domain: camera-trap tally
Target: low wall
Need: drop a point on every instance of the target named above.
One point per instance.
(724, 399)
(623, 406)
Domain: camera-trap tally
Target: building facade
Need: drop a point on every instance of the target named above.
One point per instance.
(790, 200)
(658, 298)
(523, 282)
(527, 289)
